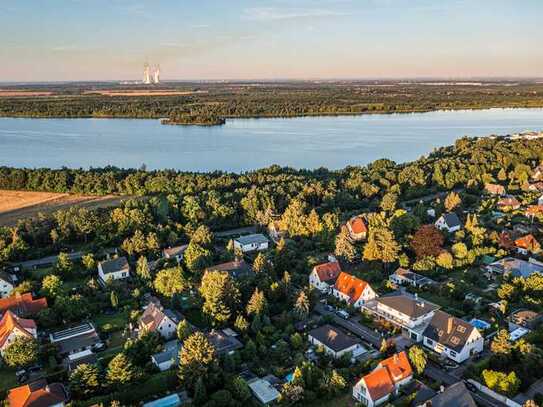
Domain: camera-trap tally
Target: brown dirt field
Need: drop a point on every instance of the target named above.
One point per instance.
(11, 93)
(140, 92)
(15, 205)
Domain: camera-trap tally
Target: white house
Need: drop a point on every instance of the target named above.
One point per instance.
(357, 228)
(157, 319)
(406, 277)
(251, 243)
(263, 391)
(116, 269)
(540, 200)
(335, 342)
(324, 276)
(452, 337)
(384, 381)
(12, 327)
(7, 283)
(410, 314)
(449, 222)
(352, 290)
(175, 252)
(168, 357)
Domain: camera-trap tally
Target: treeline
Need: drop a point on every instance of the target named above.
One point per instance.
(274, 100)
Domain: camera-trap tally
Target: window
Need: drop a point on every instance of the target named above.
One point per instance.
(440, 333)
(461, 328)
(453, 353)
(429, 341)
(455, 340)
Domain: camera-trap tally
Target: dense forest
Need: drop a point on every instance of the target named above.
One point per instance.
(210, 102)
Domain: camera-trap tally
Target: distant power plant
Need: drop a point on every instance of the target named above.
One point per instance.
(151, 75)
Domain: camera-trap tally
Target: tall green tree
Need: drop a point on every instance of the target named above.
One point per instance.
(197, 360)
(418, 358)
(221, 295)
(120, 371)
(22, 351)
(84, 380)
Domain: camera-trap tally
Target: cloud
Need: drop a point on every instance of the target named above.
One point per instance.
(273, 13)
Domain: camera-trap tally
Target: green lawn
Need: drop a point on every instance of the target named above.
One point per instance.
(7, 379)
(112, 323)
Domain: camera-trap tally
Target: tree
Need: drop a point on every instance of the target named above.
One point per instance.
(381, 245)
(120, 370)
(337, 382)
(460, 250)
(240, 389)
(142, 269)
(114, 299)
(84, 380)
(418, 358)
(221, 295)
(504, 383)
(344, 247)
(389, 202)
(169, 282)
(452, 200)
(294, 220)
(427, 241)
(64, 264)
(196, 360)
(184, 330)
(445, 260)
(260, 264)
(257, 303)
(23, 351)
(51, 286)
(202, 236)
(196, 257)
(301, 307)
(88, 261)
(241, 323)
(501, 344)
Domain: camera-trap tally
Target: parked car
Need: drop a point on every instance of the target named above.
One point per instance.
(343, 314)
(329, 308)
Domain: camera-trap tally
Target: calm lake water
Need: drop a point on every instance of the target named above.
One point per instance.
(246, 144)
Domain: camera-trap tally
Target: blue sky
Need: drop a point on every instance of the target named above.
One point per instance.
(232, 39)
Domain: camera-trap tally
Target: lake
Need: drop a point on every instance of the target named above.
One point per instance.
(246, 144)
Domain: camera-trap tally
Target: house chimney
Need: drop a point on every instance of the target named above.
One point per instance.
(441, 389)
(47, 389)
(449, 325)
(395, 358)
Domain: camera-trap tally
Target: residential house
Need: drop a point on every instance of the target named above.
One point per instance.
(509, 202)
(406, 277)
(527, 244)
(456, 395)
(514, 267)
(357, 228)
(452, 337)
(537, 175)
(250, 243)
(495, 189)
(157, 319)
(449, 222)
(224, 341)
(38, 394)
(264, 391)
(175, 252)
(536, 187)
(540, 200)
(7, 283)
(22, 304)
(352, 290)
(169, 356)
(324, 276)
(409, 313)
(384, 381)
(236, 269)
(87, 357)
(172, 400)
(335, 342)
(112, 270)
(525, 319)
(534, 210)
(76, 339)
(12, 327)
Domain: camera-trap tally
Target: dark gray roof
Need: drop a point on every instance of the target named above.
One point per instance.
(175, 316)
(222, 342)
(408, 305)
(171, 351)
(89, 359)
(449, 331)
(78, 342)
(451, 219)
(235, 268)
(111, 266)
(333, 338)
(456, 395)
(256, 238)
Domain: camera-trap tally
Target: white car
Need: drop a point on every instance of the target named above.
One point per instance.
(343, 314)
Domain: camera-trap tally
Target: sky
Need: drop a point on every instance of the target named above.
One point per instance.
(68, 40)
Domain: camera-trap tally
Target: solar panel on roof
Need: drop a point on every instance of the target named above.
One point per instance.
(67, 333)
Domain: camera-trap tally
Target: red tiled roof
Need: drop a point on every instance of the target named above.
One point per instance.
(358, 225)
(328, 271)
(398, 366)
(527, 242)
(379, 383)
(510, 201)
(350, 285)
(11, 322)
(23, 304)
(390, 371)
(495, 189)
(534, 209)
(37, 394)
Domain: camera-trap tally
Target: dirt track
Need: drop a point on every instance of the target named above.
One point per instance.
(15, 205)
